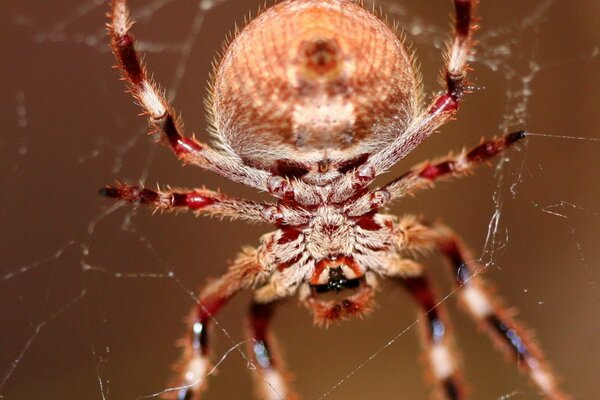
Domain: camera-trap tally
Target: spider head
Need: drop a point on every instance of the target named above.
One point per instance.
(338, 291)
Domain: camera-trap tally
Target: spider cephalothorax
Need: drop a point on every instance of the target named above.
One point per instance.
(310, 102)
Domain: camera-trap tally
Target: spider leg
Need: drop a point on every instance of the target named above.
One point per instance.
(194, 364)
(201, 201)
(459, 50)
(461, 164)
(271, 375)
(441, 109)
(424, 175)
(162, 117)
(437, 338)
(507, 334)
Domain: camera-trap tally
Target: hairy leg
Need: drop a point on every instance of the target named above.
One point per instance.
(443, 107)
(201, 201)
(424, 175)
(194, 364)
(272, 378)
(507, 334)
(437, 339)
(160, 114)
(461, 164)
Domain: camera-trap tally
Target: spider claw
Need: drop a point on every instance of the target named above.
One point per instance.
(515, 136)
(109, 192)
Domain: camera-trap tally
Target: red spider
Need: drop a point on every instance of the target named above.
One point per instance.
(311, 101)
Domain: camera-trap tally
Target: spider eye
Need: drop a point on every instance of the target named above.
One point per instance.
(349, 165)
(289, 169)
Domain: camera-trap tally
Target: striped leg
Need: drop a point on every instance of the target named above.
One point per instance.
(161, 116)
(443, 107)
(453, 166)
(426, 174)
(437, 339)
(201, 201)
(195, 361)
(271, 376)
(508, 334)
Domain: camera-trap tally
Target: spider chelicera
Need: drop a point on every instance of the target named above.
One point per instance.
(311, 101)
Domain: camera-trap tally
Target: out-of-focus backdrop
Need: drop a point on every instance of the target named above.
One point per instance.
(93, 296)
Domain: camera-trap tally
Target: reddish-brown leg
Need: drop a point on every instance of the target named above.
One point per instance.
(272, 379)
(441, 109)
(426, 174)
(161, 116)
(460, 48)
(437, 339)
(201, 201)
(452, 166)
(195, 361)
(508, 334)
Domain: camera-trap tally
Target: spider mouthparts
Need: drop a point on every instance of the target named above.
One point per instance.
(337, 282)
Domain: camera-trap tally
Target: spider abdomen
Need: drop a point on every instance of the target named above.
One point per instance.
(309, 80)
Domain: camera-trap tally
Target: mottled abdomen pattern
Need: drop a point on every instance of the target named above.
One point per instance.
(313, 80)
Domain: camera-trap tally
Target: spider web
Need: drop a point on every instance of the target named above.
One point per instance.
(93, 293)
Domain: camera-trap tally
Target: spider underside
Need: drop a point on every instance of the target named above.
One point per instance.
(312, 101)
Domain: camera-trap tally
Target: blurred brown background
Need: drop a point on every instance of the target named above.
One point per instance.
(88, 308)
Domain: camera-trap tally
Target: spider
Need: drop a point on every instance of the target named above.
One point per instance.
(310, 102)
